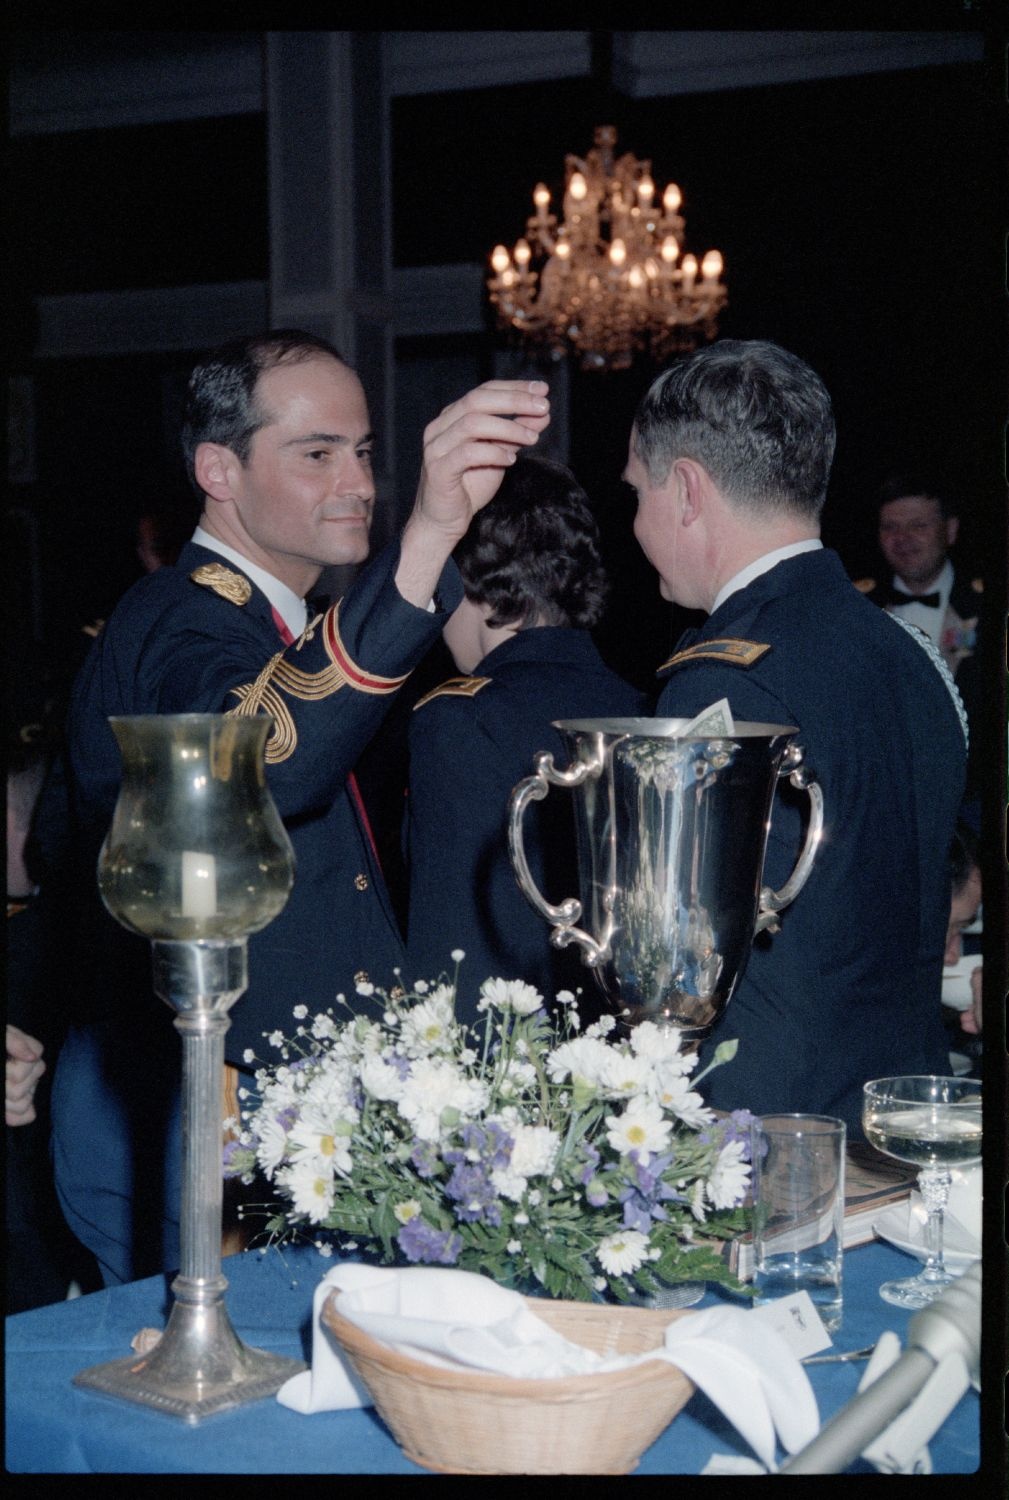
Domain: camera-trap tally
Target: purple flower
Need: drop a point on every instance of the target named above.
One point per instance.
(420, 1242)
(287, 1117)
(492, 1141)
(424, 1159)
(737, 1128)
(228, 1165)
(637, 1213)
(472, 1190)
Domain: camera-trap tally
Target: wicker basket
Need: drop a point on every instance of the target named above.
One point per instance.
(463, 1422)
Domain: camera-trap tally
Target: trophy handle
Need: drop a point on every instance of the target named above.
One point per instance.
(771, 902)
(562, 918)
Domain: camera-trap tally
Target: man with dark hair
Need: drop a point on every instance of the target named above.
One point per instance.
(918, 525)
(730, 454)
(534, 586)
(279, 441)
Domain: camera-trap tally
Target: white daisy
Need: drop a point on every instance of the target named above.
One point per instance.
(510, 994)
(272, 1143)
(583, 1060)
(625, 1074)
(427, 1026)
(642, 1128)
(311, 1190)
(675, 1094)
(730, 1176)
(622, 1252)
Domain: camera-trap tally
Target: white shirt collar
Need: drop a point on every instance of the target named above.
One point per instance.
(943, 585)
(927, 617)
(763, 565)
(292, 610)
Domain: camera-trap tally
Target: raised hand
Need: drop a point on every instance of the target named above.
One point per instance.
(467, 449)
(469, 445)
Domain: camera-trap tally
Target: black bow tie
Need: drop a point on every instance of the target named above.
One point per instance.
(931, 601)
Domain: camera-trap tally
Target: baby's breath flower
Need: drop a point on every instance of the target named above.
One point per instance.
(300, 1012)
(457, 955)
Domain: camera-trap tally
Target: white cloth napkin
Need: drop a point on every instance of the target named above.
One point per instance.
(457, 1318)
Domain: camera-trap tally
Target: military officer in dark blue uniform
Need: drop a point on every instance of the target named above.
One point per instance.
(730, 454)
(278, 440)
(534, 586)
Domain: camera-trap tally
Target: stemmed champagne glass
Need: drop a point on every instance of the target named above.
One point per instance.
(935, 1123)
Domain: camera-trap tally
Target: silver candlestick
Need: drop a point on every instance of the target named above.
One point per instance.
(196, 859)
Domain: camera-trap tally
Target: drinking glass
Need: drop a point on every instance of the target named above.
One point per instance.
(935, 1123)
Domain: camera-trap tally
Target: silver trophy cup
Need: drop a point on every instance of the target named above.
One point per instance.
(671, 834)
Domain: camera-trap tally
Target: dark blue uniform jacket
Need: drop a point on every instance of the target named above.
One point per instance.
(467, 751)
(173, 646)
(849, 989)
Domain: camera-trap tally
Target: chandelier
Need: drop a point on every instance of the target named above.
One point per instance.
(607, 278)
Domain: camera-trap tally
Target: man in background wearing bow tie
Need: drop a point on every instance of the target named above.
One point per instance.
(278, 443)
(917, 528)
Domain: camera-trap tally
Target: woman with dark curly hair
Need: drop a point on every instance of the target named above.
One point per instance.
(534, 587)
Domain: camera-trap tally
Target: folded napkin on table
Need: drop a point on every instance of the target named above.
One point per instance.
(454, 1318)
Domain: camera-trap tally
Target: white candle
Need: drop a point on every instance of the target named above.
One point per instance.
(199, 884)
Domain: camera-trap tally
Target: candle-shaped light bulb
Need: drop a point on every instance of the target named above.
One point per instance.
(508, 277)
(500, 259)
(670, 249)
(522, 254)
(711, 265)
(577, 187)
(636, 277)
(646, 190)
(618, 253)
(541, 198)
(562, 251)
(671, 198)
(689, 270)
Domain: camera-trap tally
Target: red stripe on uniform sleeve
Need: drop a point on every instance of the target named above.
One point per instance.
(353, 673)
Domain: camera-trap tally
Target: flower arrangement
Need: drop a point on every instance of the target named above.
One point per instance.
(519, 1148)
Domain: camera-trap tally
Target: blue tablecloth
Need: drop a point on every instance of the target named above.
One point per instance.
(52, 1427)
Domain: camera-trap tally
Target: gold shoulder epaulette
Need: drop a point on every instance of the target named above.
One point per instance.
(865, 585)
(224, 581)
(454, 687)
(733, 652)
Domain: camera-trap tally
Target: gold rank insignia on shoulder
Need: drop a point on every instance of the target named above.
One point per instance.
(224, 581)
(865, 585)
(733, 652)
(454, 687)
